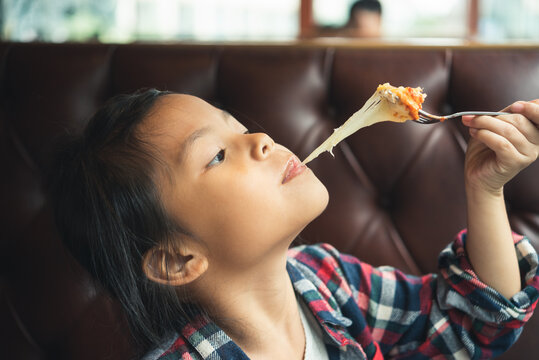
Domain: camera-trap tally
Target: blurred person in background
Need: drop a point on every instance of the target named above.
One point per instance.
(365, 20)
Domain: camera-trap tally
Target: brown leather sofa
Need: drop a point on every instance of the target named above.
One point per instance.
(396, 190)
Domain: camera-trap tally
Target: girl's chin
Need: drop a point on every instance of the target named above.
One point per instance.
(317, 203)
(323, 198)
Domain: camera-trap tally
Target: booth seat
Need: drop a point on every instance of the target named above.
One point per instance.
(396, 190)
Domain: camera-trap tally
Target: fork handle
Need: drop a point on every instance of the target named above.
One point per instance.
(478, 113)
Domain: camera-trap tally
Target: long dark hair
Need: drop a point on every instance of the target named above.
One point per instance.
(109, 213)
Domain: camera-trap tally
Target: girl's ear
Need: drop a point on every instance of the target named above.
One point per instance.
(170, 266)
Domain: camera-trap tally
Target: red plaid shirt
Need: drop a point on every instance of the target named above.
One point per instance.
(373, 313)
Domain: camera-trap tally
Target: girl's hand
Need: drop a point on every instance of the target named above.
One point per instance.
(501, 147)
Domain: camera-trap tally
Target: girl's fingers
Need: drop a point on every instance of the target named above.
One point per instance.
(505, 151)
(529, 109)
(525, 126)
(516, 129)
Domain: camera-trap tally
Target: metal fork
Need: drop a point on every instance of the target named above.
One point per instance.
(426, 118)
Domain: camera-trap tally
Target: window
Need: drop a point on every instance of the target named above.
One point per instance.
(403, 19)
(495, 21)
(498, 21)
(501, 20)
(149, 20)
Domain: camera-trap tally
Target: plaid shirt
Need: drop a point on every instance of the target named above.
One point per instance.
(371, 313)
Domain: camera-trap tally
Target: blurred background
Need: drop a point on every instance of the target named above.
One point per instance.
(123, 21)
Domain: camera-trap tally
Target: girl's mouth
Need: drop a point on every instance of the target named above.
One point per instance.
(293, 168)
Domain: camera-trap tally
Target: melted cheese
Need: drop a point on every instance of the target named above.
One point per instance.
(388, 103)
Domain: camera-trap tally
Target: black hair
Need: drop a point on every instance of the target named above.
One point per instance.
(369, 5)
(109, 213)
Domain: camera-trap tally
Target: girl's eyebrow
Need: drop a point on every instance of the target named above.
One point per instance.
(185, 148)
(187, 145)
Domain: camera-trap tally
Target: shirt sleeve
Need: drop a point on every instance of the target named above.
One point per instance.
(452, 313)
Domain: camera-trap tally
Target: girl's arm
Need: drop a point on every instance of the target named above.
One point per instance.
(489, 243)
(499, 149)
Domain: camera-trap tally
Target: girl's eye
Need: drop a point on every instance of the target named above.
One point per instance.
(218, 158)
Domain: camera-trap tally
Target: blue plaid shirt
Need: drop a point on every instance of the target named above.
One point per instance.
(376, 313)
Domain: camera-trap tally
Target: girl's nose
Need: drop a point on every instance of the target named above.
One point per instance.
(262, 146)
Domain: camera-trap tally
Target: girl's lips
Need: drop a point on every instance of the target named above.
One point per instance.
(293, 168)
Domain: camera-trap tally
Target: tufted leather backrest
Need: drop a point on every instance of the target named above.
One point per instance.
(396, 190)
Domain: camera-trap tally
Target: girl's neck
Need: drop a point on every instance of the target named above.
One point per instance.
(257, 309)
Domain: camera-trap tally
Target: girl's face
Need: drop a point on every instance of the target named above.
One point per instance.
(240, 194)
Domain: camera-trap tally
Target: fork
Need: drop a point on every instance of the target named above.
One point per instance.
(426, 118)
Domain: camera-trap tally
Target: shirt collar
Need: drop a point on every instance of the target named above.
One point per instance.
(212, 342)
(331, 319)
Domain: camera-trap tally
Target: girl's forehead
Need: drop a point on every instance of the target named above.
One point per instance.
(179, 113)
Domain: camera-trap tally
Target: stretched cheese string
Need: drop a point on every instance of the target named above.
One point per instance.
(388, 103)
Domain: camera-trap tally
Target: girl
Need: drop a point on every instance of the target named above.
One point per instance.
(187, 218)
